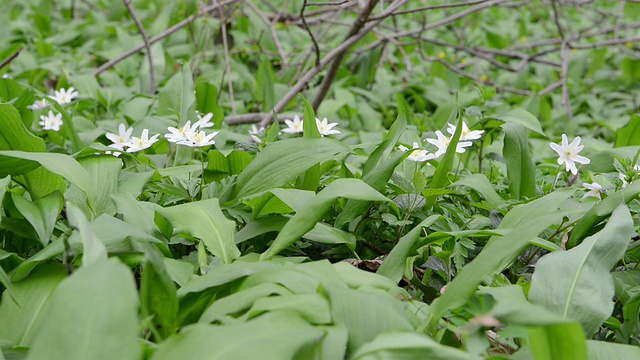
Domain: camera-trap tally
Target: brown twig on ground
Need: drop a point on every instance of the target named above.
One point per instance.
(111, 63)
(330, 76)
(152, 74)
(6, 61)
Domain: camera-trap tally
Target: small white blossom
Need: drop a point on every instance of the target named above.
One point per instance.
(295, 126)
(6, 76)
(325, 128)
(568, 153)
(442, 142)
(204, 122)
(64, 96)
(142, 142)
(39, 104)
(121, 138)
(466, 134)
(51, 121)
(199, 139)
(181, 134)
(255, 134)
(418, 155)
(594, 190)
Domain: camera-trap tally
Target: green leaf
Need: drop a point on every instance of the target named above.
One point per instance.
(21, 313)
(395, 263)
(158, 295)
(207, 101)
(523, 222)
(41, 214)
(283, 161)
(284, 334)
(265, 80)
(104, 172)
(309, 126)
(407, 345)
(601, 211)
(562, 341)
(522, 117)
(93, 314)
(177, 96)
(481, 184)
(583, 268)
(629, 135)
(601, 350)
(312, 307)
(521, 170)
(93, 249)
(383, 150)
(512, 307)
(205, 220)
(306, 218)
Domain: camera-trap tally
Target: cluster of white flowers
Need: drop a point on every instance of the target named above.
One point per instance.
(442, 142)
(53, 121)
(123, 139)
(296, 126)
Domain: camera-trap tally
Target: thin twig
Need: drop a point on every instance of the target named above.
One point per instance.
(6, 61)
(435, 7)
(477, 79)
(325, 61)
(225, 44)
(272, 29)
(108, 65)
(313, 39)
(152, 74)
(330, 76)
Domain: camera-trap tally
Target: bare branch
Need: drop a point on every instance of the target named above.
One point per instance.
(313, 39)
(272, 29)
(227, 60)
(6, 61)
(152, 73)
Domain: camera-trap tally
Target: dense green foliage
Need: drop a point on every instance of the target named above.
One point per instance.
(432, 221)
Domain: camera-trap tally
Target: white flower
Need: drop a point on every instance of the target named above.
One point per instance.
(199, 139)
(442, 142)
(64, 96)
(178, 135)
(466, 134)
(255, 134)
(568, 153)
(417, 155)
(51, 122)
(295, 126)
(121, 138)
(204, 121)
(6, 76)
(594, 190)
(39, 104)
(142, 142)
(325, 128)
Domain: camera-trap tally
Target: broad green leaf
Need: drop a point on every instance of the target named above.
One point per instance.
(207, 101)
(60, 164)
(21, 313)
(205, 220)
(522, 223)
(314, 308)
(41, 214)
(104, 174)
(395, 263)
(177, 97)
(481, 184)
(601, 211)
(265, 80)
(93, 249)
(378, 178)
(601, 350)
(158, 296)
(283, 161)
(629, 135)
(383, 150)
(602, 161)
(93, 314)
(521, 170)
(522, 117)
(283, 334)
(562, 341)
(306, 218)
(512, 307)
(366, 314)
(407, 345)
(241, 301)
(310, 128)
(583, 268)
